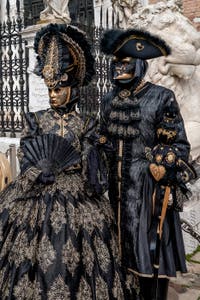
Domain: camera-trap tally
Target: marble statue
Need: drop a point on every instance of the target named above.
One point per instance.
(181, 70)
(55, 11)
(123, 9)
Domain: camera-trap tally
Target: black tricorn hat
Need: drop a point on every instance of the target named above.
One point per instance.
(133, 43)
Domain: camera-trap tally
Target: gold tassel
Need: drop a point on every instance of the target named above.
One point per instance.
(164, 209)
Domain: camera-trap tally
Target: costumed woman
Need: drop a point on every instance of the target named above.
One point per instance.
(56, 239)
(149, 169)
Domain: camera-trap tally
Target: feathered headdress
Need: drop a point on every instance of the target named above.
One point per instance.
(63, 56)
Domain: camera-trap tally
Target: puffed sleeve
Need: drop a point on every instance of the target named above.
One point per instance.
(28, 174)
(170, 125)
(169, 158)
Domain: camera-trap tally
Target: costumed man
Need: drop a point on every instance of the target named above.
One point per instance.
(149, 168)
(56, 236)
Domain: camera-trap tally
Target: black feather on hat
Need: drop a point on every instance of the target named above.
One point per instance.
(64, 56)
(133, 43)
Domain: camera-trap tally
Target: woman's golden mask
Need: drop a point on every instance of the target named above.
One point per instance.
(59, 96)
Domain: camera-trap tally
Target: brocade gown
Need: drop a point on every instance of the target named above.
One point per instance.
(56, 240)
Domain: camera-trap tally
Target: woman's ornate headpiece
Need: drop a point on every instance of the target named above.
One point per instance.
(64, 56)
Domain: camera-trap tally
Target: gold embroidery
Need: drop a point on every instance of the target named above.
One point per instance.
(71, 183)
(20, 212)
(71, 256)
(84, 291)
(32, 250)
(51, 64)
(101, 289)
(115, 250)
(7, 244)
(71, 124)
(88, 257)
(102, 254)
(19, 250)
(58, 216)
(41, 213)
(169, 134)
(46, 254)
(117, 288)
(59, 290)
(1, 231)
(4, 285)
(91, 216)
(74, 215)
(26, 290)
(132, 282)
(78, 58)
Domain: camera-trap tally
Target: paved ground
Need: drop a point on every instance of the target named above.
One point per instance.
(187, 287)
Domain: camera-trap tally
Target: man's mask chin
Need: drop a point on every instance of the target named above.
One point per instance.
(124, 81)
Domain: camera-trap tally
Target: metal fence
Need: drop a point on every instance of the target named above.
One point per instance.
(13, 74)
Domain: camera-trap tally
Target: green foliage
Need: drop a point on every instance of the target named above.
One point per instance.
(189, 257)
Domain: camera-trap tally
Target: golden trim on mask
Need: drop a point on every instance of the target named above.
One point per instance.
(115, 59)
(124, 76)
(127, 59)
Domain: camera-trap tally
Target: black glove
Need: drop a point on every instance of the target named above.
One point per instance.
(46, 178)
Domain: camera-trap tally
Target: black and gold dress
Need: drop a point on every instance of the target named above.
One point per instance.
(56, 240)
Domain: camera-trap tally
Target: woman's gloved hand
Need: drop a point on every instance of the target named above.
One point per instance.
(47, 176)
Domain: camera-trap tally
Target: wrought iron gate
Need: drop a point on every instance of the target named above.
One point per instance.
(13, 74)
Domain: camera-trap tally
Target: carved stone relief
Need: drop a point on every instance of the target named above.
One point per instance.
(123, 9)
(55, 11)
(181, 70)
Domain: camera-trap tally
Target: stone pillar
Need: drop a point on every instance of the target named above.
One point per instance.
(38, 92)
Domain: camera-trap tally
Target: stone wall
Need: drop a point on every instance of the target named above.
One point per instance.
(190, 8)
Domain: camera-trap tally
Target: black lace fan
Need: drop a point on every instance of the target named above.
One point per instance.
(50, 151)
